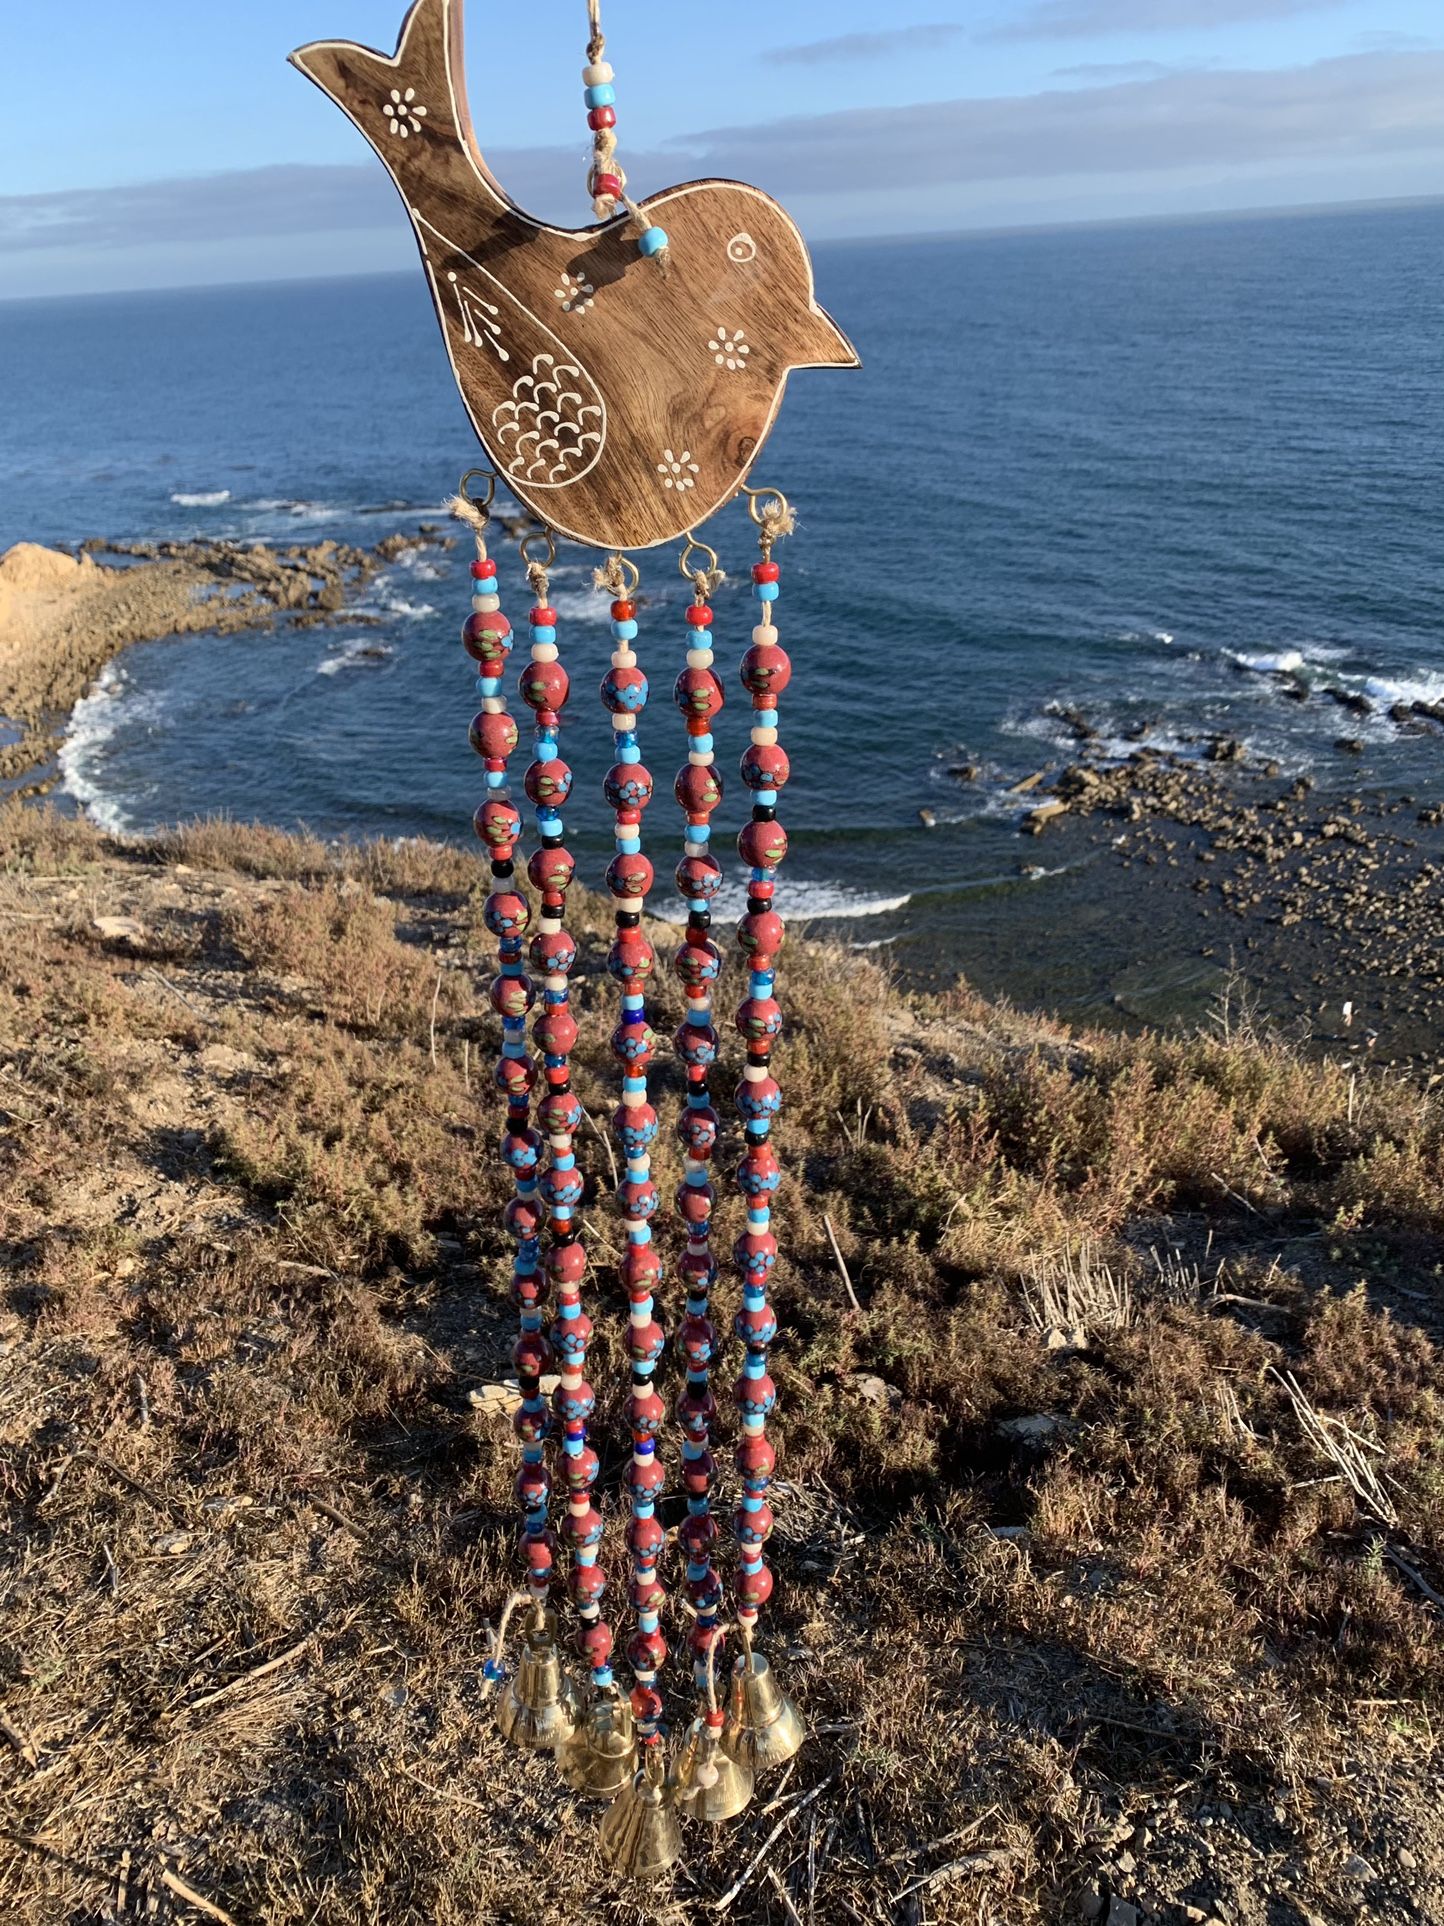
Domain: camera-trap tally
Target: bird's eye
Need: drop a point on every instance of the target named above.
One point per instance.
(742, 247)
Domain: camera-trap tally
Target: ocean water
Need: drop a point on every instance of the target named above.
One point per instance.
(1156, 473)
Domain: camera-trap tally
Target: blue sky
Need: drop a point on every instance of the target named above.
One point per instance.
(170, 144)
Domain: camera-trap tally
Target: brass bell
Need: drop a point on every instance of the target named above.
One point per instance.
(764, 1728)
(711, 1785)
(600, 1757)
(539, 1706)
(640, 1834)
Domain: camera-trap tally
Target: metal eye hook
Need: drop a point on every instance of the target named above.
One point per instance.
(618, 570)
(465, 493)
(684, 561)
(538, 535)
(777, 510)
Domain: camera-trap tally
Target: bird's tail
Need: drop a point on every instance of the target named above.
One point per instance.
(410, 105)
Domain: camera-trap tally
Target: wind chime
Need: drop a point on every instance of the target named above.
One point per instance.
(622, 378)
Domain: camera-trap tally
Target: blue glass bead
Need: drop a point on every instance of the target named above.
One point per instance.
(625, 631)
(496, 779)
(603, 94)
(765, 591)
(488, 685)
(764, 718)
(703, 745)
(653, 240)
(544, 632)
(766, 797)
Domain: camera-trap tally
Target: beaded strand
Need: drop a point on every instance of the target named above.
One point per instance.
(699, 696)
(762, 846)
(544, 688)
(606, 182)
(628, 790)
(487, 639)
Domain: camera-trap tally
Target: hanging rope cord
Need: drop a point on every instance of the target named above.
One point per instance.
(604, 145)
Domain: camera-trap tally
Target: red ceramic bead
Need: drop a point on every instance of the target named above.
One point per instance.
(533, 1486)
(645, 1537)
(493, 734)
(601, 117)
(531, 1354)
(631, 957)
(516, 1076)
(486, 637)
(760, 935)
(540, 1553)
(698, 788)
(542, 617)
(582, 1527)
(647, 1705)
(549, 782)
(629, 876)
(766, 671)
(754, 1588)
(545, 685)
(581, 1470)
(609, 185)
(765, 766)
(637, 1198)
(553, 952)
(551, 869)
(697, 1534)
(698, 1130)
(647, 1478)
(556, 1031)
(594, 1643)
(646, 1592)
(699, 616)
(695, 1203)
(759, 1019)
(699, 876)
(766, 572)
(698, 694)
(646, 1651)
(646, 1413)
(512, 996)
(696, 1411)
(762, 845)
(756, 1460)
(522, 1217)
(559, 1114)
(640, 1268)
(483, 570)
(588, 1582)
(698, 1473)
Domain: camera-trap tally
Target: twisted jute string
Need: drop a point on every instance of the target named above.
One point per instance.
(604, 148)
(474, 517)
(776, 518)
(536, 575)
(496, 1641)
(707, 581)
(612, 577)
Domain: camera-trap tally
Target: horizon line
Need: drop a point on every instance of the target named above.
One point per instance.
(1288, 210)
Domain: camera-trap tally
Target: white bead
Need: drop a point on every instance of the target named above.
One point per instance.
(486, 604)
(764, 737)
(598, 74)
(623, 658)
(699, 658)
(700, 758)
(544, 652)
(493, 705)
(765, 636)
(753, 1072)
(624, 725)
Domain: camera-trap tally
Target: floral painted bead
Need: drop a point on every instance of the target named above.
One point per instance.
(531, 1354)
(698, 1474)
(754, 1588)
(552, 869)
(512, 996)
(634, 1044)
(571, 1336)
(641, 1267)
(497, 824)
(645, 1342)
(697, 1339)
(760, 1099)
(697, 1534)
(699, 876)
(698, 1127)
(553, 952)
(630, 876)
(515, 1076)
(646, 1651)
(627, 785)
(493, 734)
(766, 671)
(756, 1397)
(560, 1114)
(533, 1487)
(522, 1217)
(705, 1592)
(624, 691)
(574, 1404)
(540, 1556)
(645, 1480)
(567, 1263)
(759, 1019)
(695, 1204)
(593, 1642)
(556, 1031)
(582, 1529)
(765, 765)
(545, 685)
(698, 1272)
(762, 845)
(631, 958)
(697, 963)
(759, 1172)
(520, 1149)
(760, 934)
(549, 782)
(756, 1254)
(531, 1425)
(581, 1468)
(756, 1327)
(635, 1126)
(645, 1539)
(756, 1461)
(698, 788)
(647, 1707)
(753, 1527)
(697, 1045)
(562, 1189)
(696, 1413)
(505, 913)
(637, 1198)
(646, 1414)
(487, 638)
(698, 693)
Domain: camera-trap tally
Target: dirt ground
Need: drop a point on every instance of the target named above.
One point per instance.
(1111, 1538)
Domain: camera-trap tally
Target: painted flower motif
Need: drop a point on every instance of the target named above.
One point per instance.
(730, 350)
(678, 471)
(404, 113)
(574, 294)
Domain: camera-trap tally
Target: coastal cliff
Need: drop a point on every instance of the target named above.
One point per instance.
(1110, 1541)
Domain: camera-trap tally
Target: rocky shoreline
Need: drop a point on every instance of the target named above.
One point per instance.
(64, 616)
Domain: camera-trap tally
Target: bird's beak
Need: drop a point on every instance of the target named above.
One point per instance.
(822, 344)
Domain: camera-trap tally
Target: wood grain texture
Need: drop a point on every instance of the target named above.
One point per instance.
(623, 404)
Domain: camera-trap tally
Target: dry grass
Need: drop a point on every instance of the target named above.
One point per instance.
(254, 1528)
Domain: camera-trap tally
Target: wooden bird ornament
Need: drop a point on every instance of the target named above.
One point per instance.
(621, 403)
